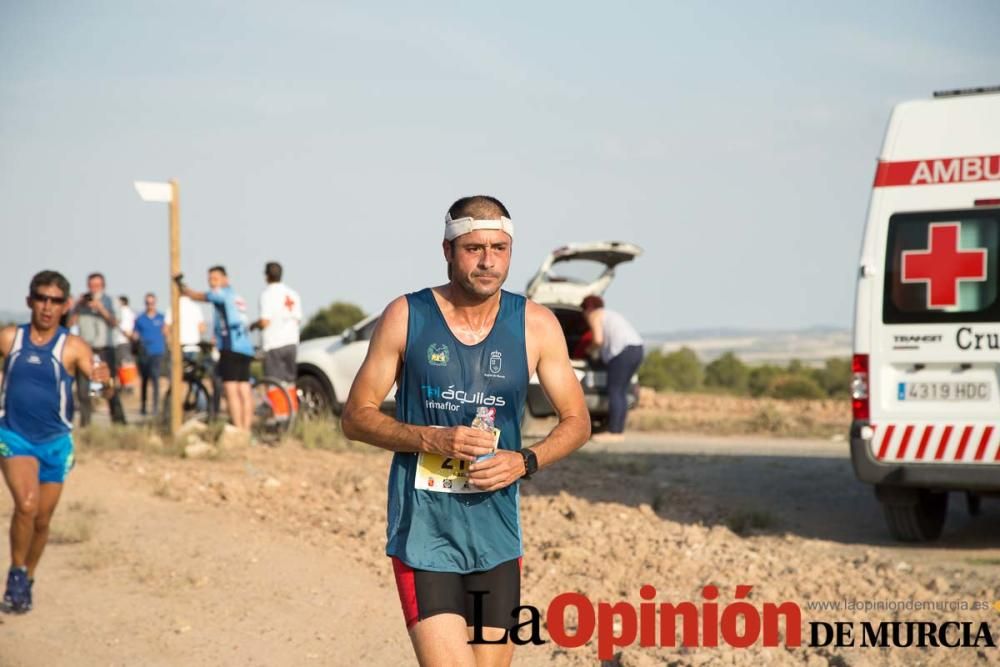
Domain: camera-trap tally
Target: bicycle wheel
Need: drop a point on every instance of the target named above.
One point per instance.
(273, 410)
(196, 403)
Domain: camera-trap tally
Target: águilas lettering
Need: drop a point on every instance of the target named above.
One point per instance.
(437, 394)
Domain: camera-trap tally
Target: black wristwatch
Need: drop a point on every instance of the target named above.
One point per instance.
(530, 462)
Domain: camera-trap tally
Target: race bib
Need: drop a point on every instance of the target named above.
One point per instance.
(446, 475)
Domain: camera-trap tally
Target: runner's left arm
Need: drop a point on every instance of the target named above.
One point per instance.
(563, 390)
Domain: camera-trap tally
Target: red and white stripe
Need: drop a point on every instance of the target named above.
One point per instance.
(936, 443)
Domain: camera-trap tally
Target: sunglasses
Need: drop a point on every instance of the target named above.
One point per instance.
(45, 298)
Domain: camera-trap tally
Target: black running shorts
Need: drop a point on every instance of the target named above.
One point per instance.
(234, 367)
(423, 593)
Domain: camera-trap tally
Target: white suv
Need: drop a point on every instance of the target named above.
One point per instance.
(327, 366)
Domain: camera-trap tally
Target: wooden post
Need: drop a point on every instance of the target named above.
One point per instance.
(176, 393)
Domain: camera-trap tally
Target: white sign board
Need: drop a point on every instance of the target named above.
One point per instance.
(154, 192)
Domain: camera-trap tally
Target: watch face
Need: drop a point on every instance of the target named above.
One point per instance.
(530, 461)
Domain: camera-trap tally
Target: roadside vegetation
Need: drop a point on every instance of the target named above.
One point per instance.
(332, 320)
(682, 371)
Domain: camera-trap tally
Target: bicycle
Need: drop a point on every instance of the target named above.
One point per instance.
(274, 411)
(198, 402)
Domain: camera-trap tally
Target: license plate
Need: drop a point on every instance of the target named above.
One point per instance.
(944, 391)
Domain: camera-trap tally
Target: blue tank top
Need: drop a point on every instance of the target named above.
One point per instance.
(36, 397)
(444, 382)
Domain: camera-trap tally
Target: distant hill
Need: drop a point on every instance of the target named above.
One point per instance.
(812, 345)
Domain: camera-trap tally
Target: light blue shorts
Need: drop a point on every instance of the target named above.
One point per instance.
(55, 458)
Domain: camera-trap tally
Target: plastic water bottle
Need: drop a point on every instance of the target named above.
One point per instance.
(96, 388)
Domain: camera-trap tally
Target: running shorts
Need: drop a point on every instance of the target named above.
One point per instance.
(234, 367)
(423, 593)
(55, 458)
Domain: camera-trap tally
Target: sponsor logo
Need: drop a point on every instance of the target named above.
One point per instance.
(437, 354)
(452, 400)
(34, 359)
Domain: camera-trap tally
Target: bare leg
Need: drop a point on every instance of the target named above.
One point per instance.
(442, 640)
(492, 655)
(246, 396)
(48, 498)
(234, 404)
(21, 474)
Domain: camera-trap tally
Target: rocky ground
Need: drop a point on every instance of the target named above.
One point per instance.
(601, 523)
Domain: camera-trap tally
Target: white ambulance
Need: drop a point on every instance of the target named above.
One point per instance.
(926, 394)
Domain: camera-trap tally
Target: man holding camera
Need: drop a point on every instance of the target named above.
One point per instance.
(94, 314)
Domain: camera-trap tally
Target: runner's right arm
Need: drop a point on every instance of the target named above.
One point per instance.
(78, 357)
(7, 339)
(362, 418)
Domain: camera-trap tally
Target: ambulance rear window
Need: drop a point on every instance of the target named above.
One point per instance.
(942, 267)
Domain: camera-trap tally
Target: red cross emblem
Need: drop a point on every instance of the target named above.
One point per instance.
(943, 265)
(289, 302)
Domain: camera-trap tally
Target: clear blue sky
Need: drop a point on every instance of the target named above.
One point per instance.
(735, 142)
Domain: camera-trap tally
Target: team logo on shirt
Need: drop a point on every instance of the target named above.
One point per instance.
(34, 359)
(496, 365)
(437, 354)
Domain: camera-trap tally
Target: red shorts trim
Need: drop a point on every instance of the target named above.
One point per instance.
(407, 589)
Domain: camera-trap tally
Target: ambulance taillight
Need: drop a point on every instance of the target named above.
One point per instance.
(859, 386)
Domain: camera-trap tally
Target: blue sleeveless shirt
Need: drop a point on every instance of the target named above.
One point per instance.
(442, 383)
(36, 397)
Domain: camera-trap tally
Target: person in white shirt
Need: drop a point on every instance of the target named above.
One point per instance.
(620, 347)
(122, 336)
(192, 325)
(280, 319)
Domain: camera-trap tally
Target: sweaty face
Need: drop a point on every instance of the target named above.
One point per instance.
(45, 312)
(480, 261)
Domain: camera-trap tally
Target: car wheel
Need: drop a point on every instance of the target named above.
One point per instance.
(913, 515)
(314, 400)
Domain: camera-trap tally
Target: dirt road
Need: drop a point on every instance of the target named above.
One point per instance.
(274, 556)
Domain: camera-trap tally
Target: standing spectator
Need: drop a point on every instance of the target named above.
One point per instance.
(280, 319)
(192, 327)
(94, 315)
(232, 337)
(150, 331)
(123, 343)
(621, 351)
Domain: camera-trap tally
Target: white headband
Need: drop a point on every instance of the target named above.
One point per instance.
(455, 228)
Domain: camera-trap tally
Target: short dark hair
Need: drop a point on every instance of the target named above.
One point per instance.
(123, 299)
(97, 274)
(48, 278)
(218, 267)
(592, 302)
(273, 272)
(482, 207)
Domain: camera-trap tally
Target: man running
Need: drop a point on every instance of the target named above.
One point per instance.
(232, 337)
(36, 417)
(461, 354)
